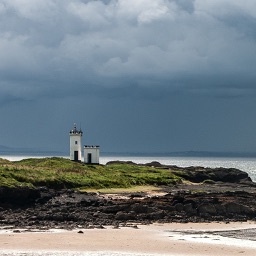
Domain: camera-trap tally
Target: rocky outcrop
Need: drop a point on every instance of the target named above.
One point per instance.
(201, 174)
(70, 209)
(230, 196)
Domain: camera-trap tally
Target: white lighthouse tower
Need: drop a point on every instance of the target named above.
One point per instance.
(75, 144)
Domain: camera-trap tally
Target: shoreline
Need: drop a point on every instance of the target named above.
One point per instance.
(188, 218)
(154, 239)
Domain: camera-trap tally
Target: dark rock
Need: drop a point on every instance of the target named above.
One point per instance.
(18, 195)
(137, 195)
(154, 164)
(178, 199)
(188, 208)
(157, 215)
(168, 208)
(236, 208)
(120, 162)
(206, 209)
(233, 208)
(179, 207)
(220, 209)
(122, 216)
(200, 174)
(139, 208)
(114, 208)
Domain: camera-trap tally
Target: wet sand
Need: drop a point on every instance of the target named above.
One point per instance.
(165, 239)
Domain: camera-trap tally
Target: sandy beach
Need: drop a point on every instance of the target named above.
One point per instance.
(157, 239)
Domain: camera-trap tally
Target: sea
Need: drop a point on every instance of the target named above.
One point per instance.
(247, 164)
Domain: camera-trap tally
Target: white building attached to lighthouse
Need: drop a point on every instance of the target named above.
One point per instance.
(76, 144)
(92, 154)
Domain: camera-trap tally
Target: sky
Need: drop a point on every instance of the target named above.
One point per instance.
(136, 75)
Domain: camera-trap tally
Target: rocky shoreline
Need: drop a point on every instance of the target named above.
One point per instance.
(229, 195)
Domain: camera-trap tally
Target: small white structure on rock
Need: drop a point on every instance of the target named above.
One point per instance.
(75, 144)
(91, 153)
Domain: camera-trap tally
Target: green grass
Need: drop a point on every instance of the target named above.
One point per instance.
(62, 173)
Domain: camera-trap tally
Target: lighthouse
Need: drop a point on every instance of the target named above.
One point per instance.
(76, 144)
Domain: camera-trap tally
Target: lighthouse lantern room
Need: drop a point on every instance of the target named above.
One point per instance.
(76, 144)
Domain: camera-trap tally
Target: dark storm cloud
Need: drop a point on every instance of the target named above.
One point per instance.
(108, 43)
(142, 58)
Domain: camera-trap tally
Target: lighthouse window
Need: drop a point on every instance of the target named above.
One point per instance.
(76, 142)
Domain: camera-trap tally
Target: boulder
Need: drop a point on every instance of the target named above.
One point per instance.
(18, 196)
(188, 208)
(235, 208)
(206, 208)
(179, 207)
(200, 174)
(154, 164)
(121, 216)
(140, 208)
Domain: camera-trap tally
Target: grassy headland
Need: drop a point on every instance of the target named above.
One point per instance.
(199, 193)
(60, 173)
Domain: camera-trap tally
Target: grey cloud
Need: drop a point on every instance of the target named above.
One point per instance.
(89, 41)
(186, 5)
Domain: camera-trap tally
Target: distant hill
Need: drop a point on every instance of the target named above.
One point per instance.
(5, 150)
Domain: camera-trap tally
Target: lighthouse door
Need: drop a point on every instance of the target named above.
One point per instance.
(89, 158)
(76, 156)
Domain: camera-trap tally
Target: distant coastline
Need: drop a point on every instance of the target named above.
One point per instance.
(5, 150)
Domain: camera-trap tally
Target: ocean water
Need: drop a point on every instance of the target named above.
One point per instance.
(245, 164)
